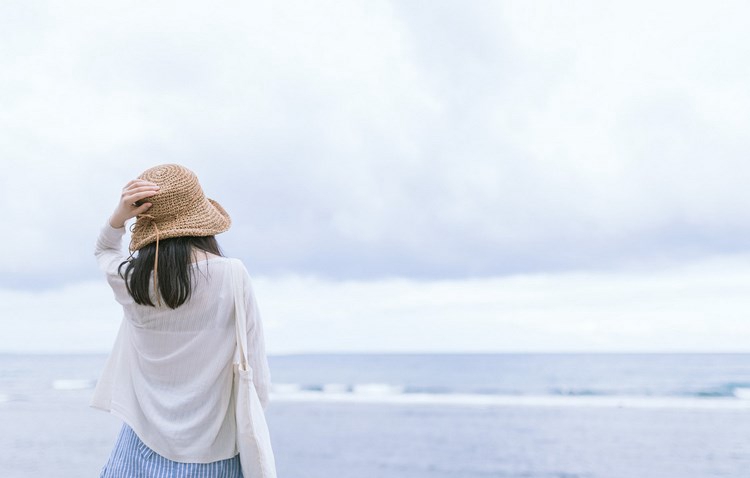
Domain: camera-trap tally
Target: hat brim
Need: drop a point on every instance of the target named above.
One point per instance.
(207, 219)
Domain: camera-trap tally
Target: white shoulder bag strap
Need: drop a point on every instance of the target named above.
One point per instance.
(253, 438)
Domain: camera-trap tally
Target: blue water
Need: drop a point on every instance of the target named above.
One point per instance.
(430, 415)
(664, 375)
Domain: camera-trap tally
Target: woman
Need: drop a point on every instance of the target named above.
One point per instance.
(170, 374)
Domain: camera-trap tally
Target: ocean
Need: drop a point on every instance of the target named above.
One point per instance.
(429, 415)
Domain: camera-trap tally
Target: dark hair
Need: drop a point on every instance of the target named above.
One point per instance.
(174, 271)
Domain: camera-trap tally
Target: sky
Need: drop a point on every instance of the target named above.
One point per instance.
(402, 176)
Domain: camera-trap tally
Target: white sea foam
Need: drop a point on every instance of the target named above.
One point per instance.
(285, 387)
(377, 389)
(335, 388)
(742, 392)
(484, 400)
(73, 384)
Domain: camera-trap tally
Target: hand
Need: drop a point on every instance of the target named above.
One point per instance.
(136, 190)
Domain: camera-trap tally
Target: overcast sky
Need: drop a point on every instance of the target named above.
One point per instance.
(389, 155)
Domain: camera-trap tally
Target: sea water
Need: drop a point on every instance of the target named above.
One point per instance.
(430, 415)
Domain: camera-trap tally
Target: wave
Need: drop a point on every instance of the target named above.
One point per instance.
(517, 400)
(360, 388)
(377, 389)
(731, 390)
(727, 395)
(395, 394)
(73, 384)
(739, 390)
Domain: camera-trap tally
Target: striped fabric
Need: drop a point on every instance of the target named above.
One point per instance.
(131, 458)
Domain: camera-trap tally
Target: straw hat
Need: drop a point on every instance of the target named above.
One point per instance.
(179, 209)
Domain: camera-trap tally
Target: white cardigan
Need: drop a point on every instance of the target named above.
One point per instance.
(169, 375)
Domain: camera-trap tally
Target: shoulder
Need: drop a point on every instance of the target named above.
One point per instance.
(238, 267)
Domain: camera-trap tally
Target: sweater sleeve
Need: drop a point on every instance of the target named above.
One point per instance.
(256, 345)
(109, 255)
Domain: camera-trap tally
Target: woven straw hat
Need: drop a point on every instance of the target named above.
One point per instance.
(179, 209)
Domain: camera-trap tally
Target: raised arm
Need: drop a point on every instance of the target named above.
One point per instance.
(108, 249)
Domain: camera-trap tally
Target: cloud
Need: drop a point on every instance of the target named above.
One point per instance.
(373, 140)
(698, 307)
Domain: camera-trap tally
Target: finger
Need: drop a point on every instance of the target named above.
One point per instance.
(142, 208)
(135, 181)
(141, 184)
(132, 198)
(136, 188)
(139, 189)
(138, 182)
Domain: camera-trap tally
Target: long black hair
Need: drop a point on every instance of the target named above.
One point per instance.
(174, 273)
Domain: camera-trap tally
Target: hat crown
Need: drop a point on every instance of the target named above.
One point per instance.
(179, 190)
(180, 208)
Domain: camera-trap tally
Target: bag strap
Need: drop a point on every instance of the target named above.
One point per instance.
(240, 316)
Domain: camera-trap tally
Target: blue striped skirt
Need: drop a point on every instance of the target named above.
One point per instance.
(131, 458)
